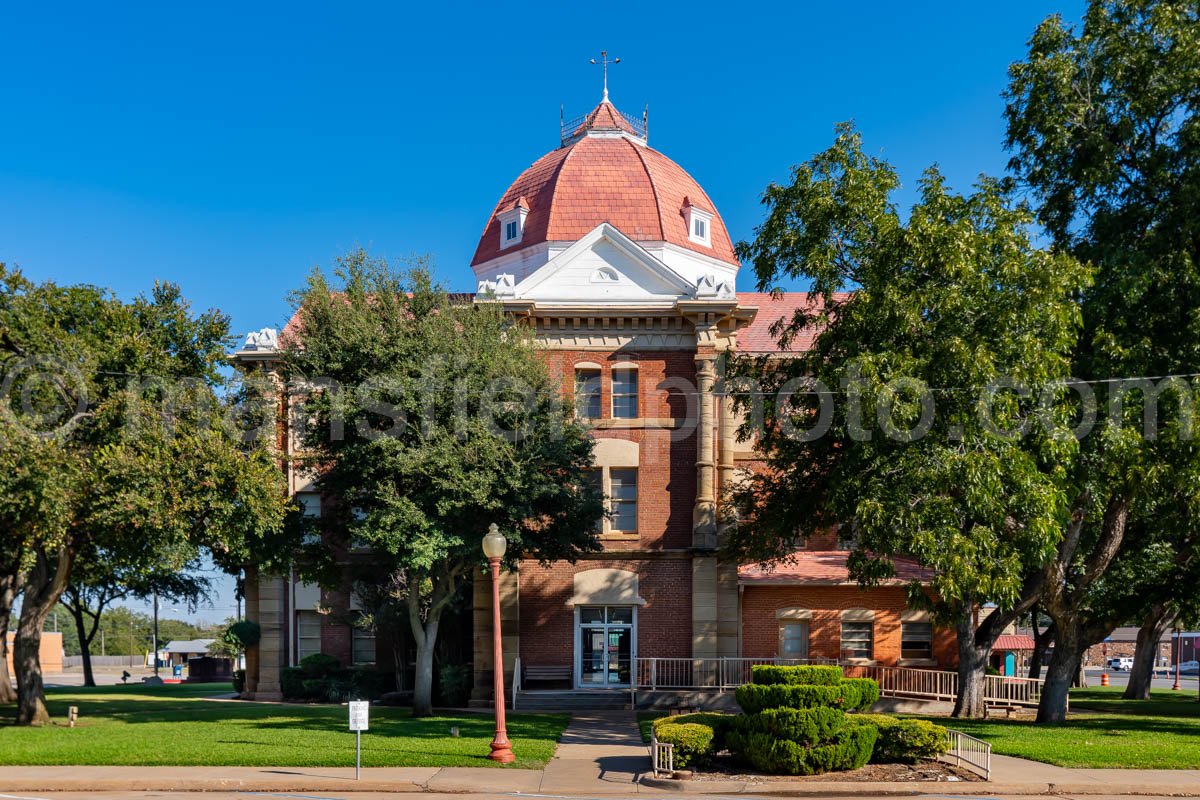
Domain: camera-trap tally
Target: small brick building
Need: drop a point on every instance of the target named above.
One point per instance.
(620, 262)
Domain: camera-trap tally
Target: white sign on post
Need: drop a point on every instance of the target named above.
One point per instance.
(359, 711)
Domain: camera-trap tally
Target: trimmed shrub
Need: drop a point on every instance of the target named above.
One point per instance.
(319, 665)
(693, 742)
(849, 695)
(239, 680)
(904, 741)
(771, 675)
(807, 726)
(849, 748)
(719, 722)
(454, 685)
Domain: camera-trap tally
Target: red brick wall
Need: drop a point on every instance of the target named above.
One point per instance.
(664, 627)
(335, 631)
(667, 469)
(760, 627)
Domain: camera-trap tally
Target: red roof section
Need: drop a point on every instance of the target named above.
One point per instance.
(757, 337)
(824, 568)
(611, 179)
(1013, 641)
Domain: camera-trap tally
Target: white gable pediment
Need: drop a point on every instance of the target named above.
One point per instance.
(604, 266)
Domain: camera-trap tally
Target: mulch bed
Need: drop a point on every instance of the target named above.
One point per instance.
(723, 769)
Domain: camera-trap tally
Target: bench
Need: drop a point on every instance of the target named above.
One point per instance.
(1008, 709)
(547, 673)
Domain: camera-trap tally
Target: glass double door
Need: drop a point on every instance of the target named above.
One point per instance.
(605, 646)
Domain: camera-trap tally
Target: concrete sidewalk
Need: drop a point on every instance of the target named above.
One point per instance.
(601, 754)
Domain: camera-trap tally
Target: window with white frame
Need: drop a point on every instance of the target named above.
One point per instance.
(858, 635)
(511, 230)
(916, 640)
(625, 393)
(699, 224)
(308, 634)
(512, 225)
(587, 392)
(623, 499)
(310, 509)
(793, 639)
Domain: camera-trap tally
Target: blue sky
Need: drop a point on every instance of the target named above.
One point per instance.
(232, 147)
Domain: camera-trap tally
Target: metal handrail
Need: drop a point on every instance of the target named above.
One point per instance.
(969, 751)
(662, 755)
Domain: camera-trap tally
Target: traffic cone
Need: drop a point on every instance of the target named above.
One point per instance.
(1104, 679)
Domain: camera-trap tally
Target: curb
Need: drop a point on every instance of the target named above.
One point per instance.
(907, 789)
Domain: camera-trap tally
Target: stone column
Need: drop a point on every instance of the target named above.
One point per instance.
(250, 589)
(704, 516)
(510, 633)
(728, 622)
(272, 648)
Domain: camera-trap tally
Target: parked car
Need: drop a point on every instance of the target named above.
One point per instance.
(1189, 667)
(1120, 663)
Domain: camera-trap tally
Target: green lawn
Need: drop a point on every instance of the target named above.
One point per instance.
(174, 725)
(1104, 731)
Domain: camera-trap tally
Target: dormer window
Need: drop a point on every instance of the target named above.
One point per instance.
(699, 223)
(512, 223)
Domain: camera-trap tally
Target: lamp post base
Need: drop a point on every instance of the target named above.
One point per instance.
(501, 751)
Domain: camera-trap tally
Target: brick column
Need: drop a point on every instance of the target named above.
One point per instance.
(705, 638)
(510, 634)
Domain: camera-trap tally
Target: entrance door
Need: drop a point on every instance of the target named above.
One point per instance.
(606, 645)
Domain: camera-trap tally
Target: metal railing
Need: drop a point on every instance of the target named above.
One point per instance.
(726, 674)
(969, 752)
(569, 129)
(662, 755)
(516, 681)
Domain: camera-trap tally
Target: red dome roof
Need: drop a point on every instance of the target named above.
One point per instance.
(605, 178)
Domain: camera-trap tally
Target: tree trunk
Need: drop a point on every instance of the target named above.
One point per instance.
(1041, 640)
(423, 680)
(45, 583)
(1159, 618)
(8, 595)
(972, 672)
(85, 645)
(1060, 674)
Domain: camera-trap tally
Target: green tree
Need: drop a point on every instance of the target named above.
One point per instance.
(121, 402)
(914, 419)
(100, 578)
(1104, 130)
(440, 420)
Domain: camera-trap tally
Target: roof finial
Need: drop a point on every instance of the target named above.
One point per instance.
(604, 62)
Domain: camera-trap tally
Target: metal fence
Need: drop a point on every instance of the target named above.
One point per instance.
(726, 674)
(662, 756)
(106, 661)
(970, 752)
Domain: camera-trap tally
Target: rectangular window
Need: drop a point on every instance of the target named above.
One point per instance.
(587, 393)
(916, 640)
(310, 509)
(308, 633)
(362, 644)
(625, 393)
(793, 640)
(858, 640)
(510, 231)
(623, 499)
(700, 229)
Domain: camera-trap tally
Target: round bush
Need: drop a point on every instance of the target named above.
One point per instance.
(693, 742)
(769, 675)
(807, 726)
(850, 748)
(719, 722)
(904, 741)
(849, 695)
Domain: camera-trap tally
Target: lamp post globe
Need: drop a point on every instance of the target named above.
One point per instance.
(494, 547)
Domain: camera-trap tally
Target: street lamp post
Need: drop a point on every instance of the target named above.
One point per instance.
(494, 545)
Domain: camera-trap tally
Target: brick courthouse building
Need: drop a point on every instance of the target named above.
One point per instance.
(621, 263)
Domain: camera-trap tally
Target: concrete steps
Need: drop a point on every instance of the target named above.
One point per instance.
(568, 700)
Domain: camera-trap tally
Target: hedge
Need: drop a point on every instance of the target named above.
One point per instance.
(693, 742)
(849, 748)
(770, 675)
(719, 722)
(904, 741)
(855, 694)
(807, 726)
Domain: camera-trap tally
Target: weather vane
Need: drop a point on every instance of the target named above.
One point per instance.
(604, 62)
